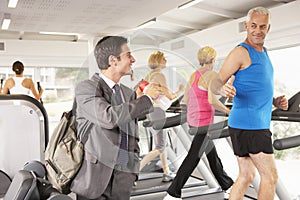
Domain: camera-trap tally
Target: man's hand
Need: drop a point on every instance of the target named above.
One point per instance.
(138, 91)
(153, 90)
(228, 89)
(281, 102)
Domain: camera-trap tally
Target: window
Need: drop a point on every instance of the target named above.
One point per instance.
(58, 84)
(286, 77)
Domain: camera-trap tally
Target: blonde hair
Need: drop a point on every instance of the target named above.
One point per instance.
(259, 10)
(206, 55)
(155, 59)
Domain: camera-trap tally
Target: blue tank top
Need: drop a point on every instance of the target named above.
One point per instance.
(252, 105)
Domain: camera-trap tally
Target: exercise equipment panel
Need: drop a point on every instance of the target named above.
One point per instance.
(23, 132)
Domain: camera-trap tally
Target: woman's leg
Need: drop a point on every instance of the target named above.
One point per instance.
(187, 167)
(164, 162)
(160, 143)
(216, 166)
(150, 156)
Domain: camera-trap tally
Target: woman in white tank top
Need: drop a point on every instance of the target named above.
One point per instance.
(19, 88)
(20, 84)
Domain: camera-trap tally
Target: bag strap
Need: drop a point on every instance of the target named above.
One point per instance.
(74, 107)
(83, 137)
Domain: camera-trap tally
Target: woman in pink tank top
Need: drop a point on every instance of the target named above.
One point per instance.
(200, 101)
(200, 111)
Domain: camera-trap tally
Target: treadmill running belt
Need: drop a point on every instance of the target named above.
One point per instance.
(151, 183)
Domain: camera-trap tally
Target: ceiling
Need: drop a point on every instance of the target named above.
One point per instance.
(88, 19)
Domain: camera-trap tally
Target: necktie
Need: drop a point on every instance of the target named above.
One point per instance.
(123, 150)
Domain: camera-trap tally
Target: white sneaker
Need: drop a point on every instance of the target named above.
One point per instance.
(134, 183)
(169, 197)
(226, 195)
(168, 177)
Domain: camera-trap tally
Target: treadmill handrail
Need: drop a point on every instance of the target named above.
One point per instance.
(36, 103)
(169, 121)
(286, 143)
(218, 134)
(212, 127)
(281, 115)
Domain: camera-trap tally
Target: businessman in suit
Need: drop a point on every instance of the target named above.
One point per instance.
(107, 122)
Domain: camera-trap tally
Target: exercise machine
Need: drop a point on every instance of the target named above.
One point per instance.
(23, 130)
(195, 188)
(24, 137)
(150, 178)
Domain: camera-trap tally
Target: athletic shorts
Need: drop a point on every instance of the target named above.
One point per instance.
(247, 142)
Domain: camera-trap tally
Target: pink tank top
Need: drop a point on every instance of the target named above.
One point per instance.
(199, 111)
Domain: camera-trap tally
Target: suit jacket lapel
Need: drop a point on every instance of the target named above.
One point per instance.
(107, 92)
(102, 87)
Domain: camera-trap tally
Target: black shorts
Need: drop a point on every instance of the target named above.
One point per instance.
(247, 142)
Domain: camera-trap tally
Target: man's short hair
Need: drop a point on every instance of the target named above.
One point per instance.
(107, 46)
(259, 10)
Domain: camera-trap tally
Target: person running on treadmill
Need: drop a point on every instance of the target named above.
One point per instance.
(19, 84)
(250, 116)
(157, 62)
(200, 112)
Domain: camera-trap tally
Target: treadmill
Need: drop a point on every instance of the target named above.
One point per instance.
(204, 191)
(149, 185)
(291, 115)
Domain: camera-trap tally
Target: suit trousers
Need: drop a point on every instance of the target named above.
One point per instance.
(118, 188)
(191, 161)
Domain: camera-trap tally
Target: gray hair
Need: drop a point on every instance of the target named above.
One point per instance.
(259, 10)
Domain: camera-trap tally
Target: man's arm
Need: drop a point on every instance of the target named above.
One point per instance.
(222, 83)
(94, 105)
(213, 99)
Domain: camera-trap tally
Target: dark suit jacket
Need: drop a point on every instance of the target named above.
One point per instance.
(99, 120)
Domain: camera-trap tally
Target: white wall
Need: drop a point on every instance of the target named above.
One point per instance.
(44, 53)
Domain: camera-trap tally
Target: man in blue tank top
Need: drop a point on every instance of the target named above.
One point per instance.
(247, 75)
